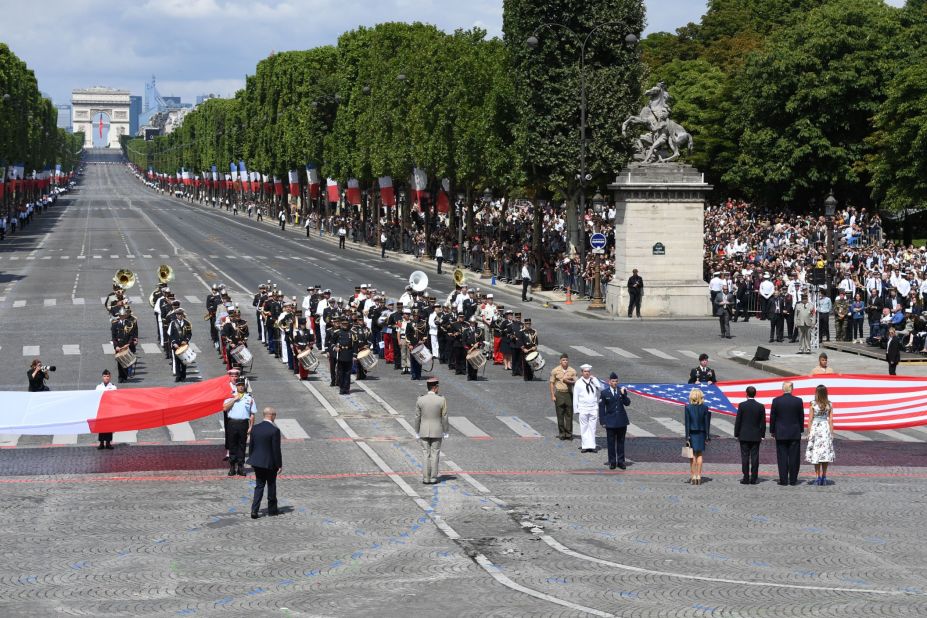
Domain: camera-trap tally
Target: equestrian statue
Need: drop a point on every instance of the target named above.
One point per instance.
(663, 138)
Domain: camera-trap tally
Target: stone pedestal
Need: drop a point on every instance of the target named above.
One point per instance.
(659, 230)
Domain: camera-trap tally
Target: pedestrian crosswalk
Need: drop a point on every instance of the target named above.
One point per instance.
(503, 427)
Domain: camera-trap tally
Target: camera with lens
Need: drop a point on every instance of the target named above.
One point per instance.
(47, 368)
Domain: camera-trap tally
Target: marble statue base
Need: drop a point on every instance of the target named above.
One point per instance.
(659, 230)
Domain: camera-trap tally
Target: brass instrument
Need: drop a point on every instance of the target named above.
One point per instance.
(124, 278)
(459, 276)
(165, 274)
(419, 281)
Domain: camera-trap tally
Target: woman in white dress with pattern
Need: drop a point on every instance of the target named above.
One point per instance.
(820, 449)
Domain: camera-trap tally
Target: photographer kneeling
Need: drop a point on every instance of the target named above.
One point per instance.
(38, 373)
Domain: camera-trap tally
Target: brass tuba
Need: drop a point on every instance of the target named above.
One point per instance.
(165, 273)
(124, 278)
(419, 281)
(459, 276)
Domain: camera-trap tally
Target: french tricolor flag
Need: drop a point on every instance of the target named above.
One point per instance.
(387, 193)
(294, 182)
(79, 412)
(313, 180)
(353, 194)
(420, 182)
(333, 190)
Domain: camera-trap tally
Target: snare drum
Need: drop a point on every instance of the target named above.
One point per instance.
(535, 359)
(125, 358)
(185, 354)
(307, 360)
(367, 359)
(476, 358)
(422, 354)
(241, 355)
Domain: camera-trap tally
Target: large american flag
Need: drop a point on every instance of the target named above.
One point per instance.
(861, 402)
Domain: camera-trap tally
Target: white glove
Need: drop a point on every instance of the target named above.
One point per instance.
(417, 437)
(445, 436)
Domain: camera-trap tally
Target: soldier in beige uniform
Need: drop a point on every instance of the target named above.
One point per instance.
(562, 378)
(431, 427)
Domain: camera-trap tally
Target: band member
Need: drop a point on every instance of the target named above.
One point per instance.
(303, 340)
(403, 342)
(258, 304)
(161, 307)
(433, 321)
(415, 335)
(496, 329)
(389, 354)
(132, 325)
(444, 344)
(505, 339)
(180, 333)
(514, 337)
(344, 353)
(455, 334)
(212, 301)
(361, 342)
(488, 313)
(528, 342)
(331, 337)
(472, 340)
(106, 439)
(229, 340)
(122, 337)
(320, 321)
(166, 324)
(392, 325)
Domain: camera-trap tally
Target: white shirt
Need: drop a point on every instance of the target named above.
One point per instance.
(488, 312)
(585, 401)
(106, 387)
(525, 272)
(439, 253)
(715, 284)
(433, 324)
(321, 307)
(406, 300)
(307, 303)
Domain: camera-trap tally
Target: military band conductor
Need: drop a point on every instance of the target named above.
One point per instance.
(431, 427)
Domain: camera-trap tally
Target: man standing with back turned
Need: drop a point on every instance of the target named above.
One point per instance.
(750, 429)
(786, 424)
(431, 427)
(267, 461)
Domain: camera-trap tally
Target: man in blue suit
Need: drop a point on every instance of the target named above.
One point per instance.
(614, 417)
(786, 424)
(267, 461)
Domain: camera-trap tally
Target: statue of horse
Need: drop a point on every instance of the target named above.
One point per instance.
(664, 138)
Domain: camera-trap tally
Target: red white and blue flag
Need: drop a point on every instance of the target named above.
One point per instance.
(313, 180)
(387, 193)
(861, 402)
(294, 182)
(353, 193)
(333, 190)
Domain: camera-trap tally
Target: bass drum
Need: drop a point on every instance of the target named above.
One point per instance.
(241, 355)
(125, 359)
(535, 359)
(367, 359)
(422, 354)
(185, 355)
(476, 358)
(307, 360)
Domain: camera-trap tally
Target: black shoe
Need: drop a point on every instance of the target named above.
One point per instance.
(273, 513)
(254, 514)
(109, 447)
(623, 466)
(101, 447)
(744, 481)
(232, 471)
(754, 481)
(770, 341)
(794, 484)
(612, 466)
(781, 483)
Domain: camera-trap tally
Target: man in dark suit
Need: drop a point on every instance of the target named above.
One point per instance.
(750, 429)
(774, 315)
(614, 418)
(892, 351)
(267, 461)
(786, 424)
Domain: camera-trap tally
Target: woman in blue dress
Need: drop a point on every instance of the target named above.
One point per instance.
(698, 423)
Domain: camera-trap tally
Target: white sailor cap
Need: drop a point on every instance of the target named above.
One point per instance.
(585, 367)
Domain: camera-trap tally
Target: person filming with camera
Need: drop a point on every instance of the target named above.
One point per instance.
(38, 373)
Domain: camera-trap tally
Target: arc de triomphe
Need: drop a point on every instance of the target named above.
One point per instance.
(87, 103)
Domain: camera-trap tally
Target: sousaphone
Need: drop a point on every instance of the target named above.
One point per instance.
(419, 281)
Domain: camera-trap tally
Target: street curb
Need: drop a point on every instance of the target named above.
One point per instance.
(761, 365)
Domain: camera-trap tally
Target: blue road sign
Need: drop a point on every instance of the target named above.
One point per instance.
(597, 241)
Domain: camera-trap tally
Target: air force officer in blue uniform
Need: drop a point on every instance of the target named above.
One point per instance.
(614, 417)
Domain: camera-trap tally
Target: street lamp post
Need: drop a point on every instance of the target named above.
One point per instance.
(584, 176)
(830, 210)
(461, 204)
(598, 205)
(487, 204)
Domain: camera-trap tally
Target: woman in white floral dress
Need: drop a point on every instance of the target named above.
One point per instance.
(820, 450)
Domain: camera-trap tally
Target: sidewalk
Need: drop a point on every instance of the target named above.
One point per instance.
(788, 363)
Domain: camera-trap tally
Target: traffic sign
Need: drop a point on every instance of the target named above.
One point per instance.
(597, 240)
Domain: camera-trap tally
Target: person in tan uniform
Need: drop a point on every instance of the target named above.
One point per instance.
(562, 378)
(823, 367)
(431, 427)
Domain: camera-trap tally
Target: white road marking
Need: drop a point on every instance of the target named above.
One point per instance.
(97, 257)
(130, 437)
(658, 353)
(130, 256)
(70, 349)
(194, 347)
(636, 432)
(8, 439)
(193, 300)
(688, 353)
(135, 300)
(150, 348)
(575, 430)
(549, 351)
(108, 347)
(77, 301)
(65, 257)
(672, 424)
(19, 303)
(291, 429)
(723, 425)
(467, 428)
(65, 439)
(851, 435)
(181, 432)
(30, 350)
(146, 256)
(623, 353)
(519, 426)
(584, 350)
(114, 257)
(897, 435)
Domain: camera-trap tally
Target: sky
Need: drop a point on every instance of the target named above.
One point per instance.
(196, 47)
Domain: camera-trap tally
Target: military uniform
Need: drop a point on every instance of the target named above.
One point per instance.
(344, 352)
(528, 342)
(180, 333)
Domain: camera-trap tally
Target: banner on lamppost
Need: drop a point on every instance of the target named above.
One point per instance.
(387, 192)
